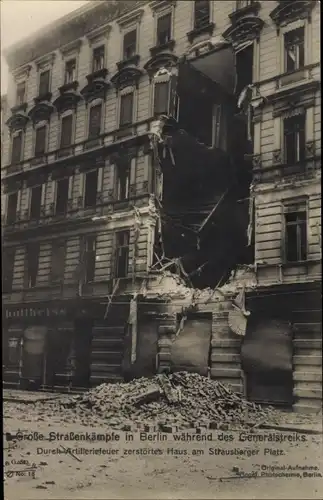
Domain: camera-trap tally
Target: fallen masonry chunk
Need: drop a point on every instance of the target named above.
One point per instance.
(151, 394)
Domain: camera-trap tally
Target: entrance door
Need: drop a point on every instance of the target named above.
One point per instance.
(33, 355)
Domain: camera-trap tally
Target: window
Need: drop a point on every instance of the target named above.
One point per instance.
(62, 187)
(16, 148)
(12, 208)
(58, 261)
(243, 3)
(122, 254)
(161, 98)
(217, 125)
(89, 258)
(21, 91)
(126, 109)
(296, 234)
(44, 82)
(91, 187)
(164, 29)
(32, 263)
(294, 138)
(66, 131)
(8, 269)
(129, 44)
(12, 356)
(40, 141)
(35, 202)
(98, 59)
(95, 121)
(294, 49)
(70, 71)
(201, 13)
(123, 182)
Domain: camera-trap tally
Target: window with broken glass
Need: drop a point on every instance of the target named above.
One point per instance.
(62, 187)
(58, 261)
(35, 202)
(12, 208)
(8, 269)
(123, 181)
(66, 131)
(201, 13)
(161, 98)
(91, 188)
(40, 141)
(294, 50)
(296, 235)
(95, 121)
(70, 71)
(98, 58)
(44, 79)
(21, 91)
(126, 109)
(16, 148)
(89, 258)
(122, 254)
(294, 139)
(32, 264)
(164, 29)
(129, 44)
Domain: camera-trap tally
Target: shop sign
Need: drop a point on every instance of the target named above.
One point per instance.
(35, 312)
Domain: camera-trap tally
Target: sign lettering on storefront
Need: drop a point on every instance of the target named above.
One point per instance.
(35, 312)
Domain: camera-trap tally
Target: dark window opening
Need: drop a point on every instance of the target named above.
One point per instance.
(91, 188)
(95, 121)
(16, 148)
(8, 263)
(89, 258)
(198, 120)
(12, 208)
(35, 203)
(161, 98)
(129, 44)
(40, 142)
(62, 187)
(70, 71)
(294, 135)
(201, 13)
(58, 261)
(66, 131)
(21, 91)
(98, 59)
(164, 29)
(32, 263)
(296, 236)
(122, 254)
(126, 109)
(12, 354)
(123, 182)
(294, 50)
(44, 82)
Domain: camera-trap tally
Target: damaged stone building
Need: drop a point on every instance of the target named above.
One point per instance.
(162, 197)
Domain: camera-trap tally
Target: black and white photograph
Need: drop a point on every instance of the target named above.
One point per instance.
(161, 249)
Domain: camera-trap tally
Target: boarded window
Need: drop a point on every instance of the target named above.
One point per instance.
(70, 71)
(12, 208)
(129, 44)
(66, 131)
(35, 202)
(8, 263)
(21, 93)
(201, 13)
(294, 135)
(62, 187)
(16, 148)
(91, 188)
(296, 234)
(123, 181)
(294, 50)
(126, 109)
(58, 261)
(122, 254)
(164, 29)
(44, 82)
(32, 263)
(161, 98)
(40, 141)
(89, 258)
(98, 58)
(95, 121)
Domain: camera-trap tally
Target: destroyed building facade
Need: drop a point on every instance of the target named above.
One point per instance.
(160, 158)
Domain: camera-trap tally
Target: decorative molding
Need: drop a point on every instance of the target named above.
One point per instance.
(244, 29)
(100, 73)
(288, 11)
(132, 61)
(43, 97)
(208, 29)
(67, 100)
(20, 107)
(96, 88)
(161, 48)
(302, 95)
(71, 47)
(277, 157)
(130, 17)
(159, 5)
(126, 77)
(101, 32)
(17, 121)
(22, 73)
(256, 161)
(251, 9)
(310, 149)
(47, 60)
(41, 111)
(164, 60)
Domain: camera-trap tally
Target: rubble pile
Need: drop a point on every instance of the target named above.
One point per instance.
(182, 399)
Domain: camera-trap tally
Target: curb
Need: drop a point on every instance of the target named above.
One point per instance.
(291, 428)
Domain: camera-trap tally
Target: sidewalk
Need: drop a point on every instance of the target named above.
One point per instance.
(17, 396)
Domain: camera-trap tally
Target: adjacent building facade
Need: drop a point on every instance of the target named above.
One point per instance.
(149, 142)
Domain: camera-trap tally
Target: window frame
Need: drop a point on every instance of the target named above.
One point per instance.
(63, 116)
(67, 61)
(96, 170)
(118, 169)
(86, 252)
(41, 200)
(297, 67)
(18, 83)
(300, 157)
(154, 114)
(42, 124)
(296, 206)
(56, 195)
(129, 29)
(30, 250)
(116, 257)
(40, 72)
(93, 104)
(58, 244)
(196, 27)
(159, 16)
(123, 95)
(12, 251)
(16, 133)
(17, 206)
(96, 47)
(300, 23)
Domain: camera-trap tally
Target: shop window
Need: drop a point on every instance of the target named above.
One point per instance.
(129, 44)
(12, 208)
(62, 187)
(70, 71)
(91, 188)
(294, 139)
(35, 202)
(126, 109)
(201, 13)
(95, 121)
(98, 59)
(58, 261)
(66, 131)
(164, 29)
(44, 80)
(89, 258)
(123, 181)
(40, 141)
(122, 254)
(161, 98)
(32, 263)
(296, 235)
(294, 50)
(16, 148)
(21, 93)
(8, 269)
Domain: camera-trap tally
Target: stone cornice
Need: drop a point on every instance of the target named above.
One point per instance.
(71, 47)
(102, 32)
(159, 5)
(131, 17)
(47, 60)
(22, 73)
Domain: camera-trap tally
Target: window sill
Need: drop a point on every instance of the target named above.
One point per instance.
(130, 61)
(93, 143)
(38, 160)
(100, 73)
(66, 151)
(162, 47)
(68, 86)
(124, 131)
(43, 97)
(207, 28)
(19, 107)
